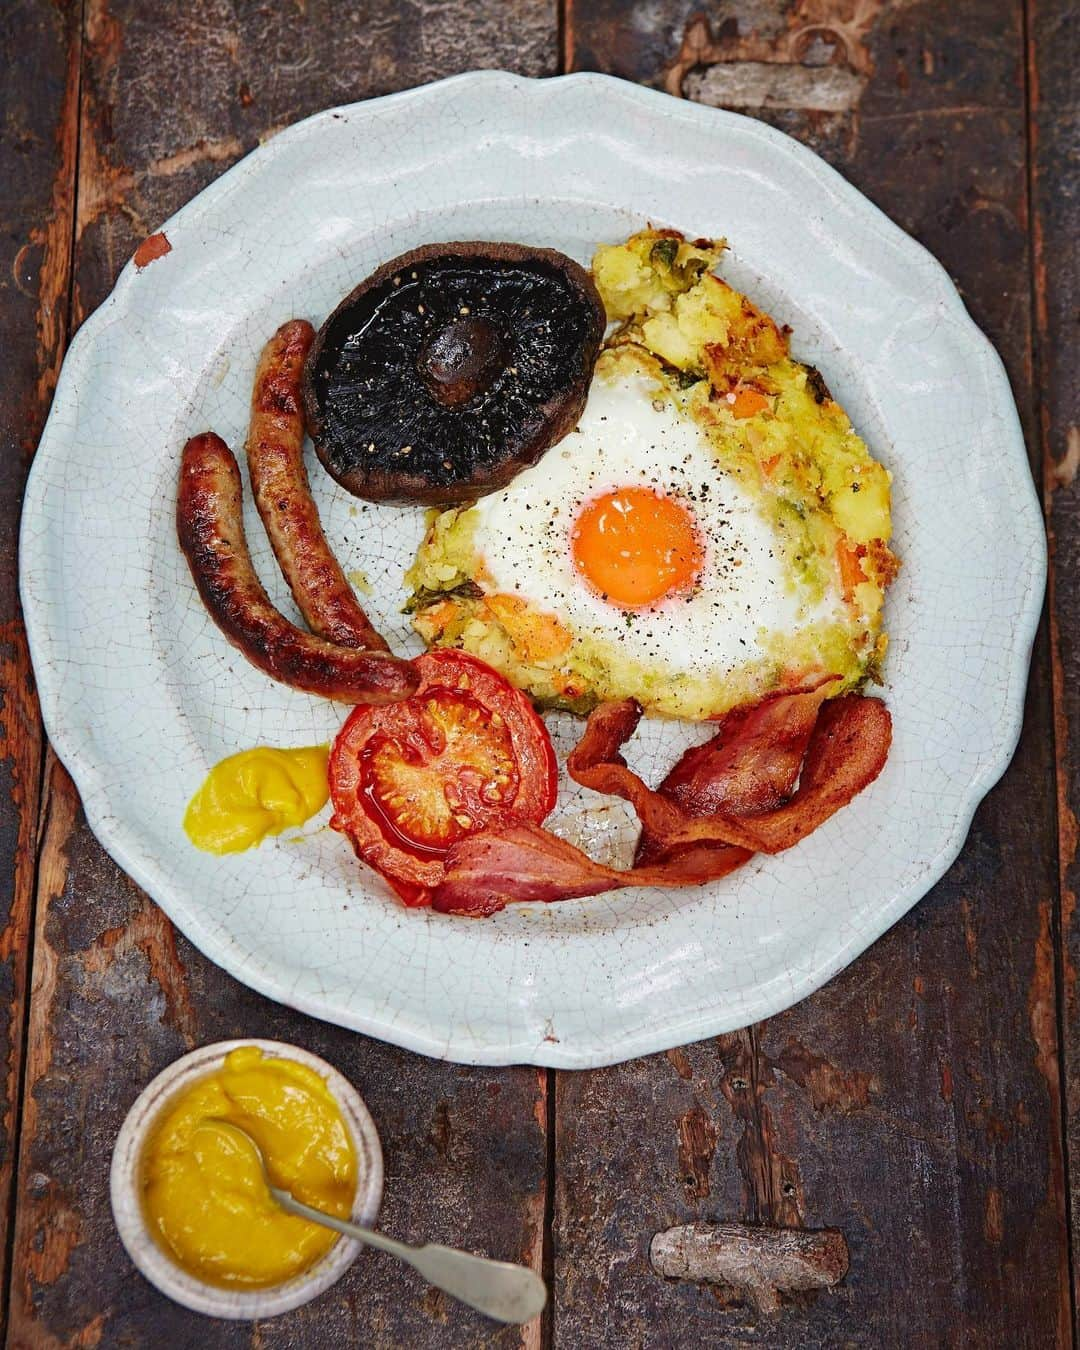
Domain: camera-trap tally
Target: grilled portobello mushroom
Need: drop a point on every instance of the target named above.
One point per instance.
(451, 369)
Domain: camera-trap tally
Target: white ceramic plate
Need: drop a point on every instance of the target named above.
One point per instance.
(141, 694)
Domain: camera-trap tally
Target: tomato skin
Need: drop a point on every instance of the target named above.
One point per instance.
(463, 753)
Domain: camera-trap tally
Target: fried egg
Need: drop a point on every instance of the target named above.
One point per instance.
(634, 540)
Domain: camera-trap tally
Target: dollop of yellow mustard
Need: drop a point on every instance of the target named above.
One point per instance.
(256, 793)
(204, 1194)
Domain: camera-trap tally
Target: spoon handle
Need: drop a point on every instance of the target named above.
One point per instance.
(500, 1289)
(366, 1235)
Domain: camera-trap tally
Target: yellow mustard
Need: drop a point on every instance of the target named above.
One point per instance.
(256, 793)
(204, 1194)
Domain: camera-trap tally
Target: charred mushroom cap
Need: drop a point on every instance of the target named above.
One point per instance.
(451, 369)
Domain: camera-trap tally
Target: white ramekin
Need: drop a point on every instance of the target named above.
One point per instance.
(153, 1261)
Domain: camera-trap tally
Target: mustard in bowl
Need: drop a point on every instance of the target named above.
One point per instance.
(193, 1209)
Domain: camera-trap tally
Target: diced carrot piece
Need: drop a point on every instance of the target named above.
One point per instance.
(769, 465)
(848, 557)
(441, 616)
(747, 401)
(537, 637)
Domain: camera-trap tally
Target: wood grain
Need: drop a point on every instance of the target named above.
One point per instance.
(170, 96)
(37, 171)
(173, 94)
(1054, 99)
(915, 1102)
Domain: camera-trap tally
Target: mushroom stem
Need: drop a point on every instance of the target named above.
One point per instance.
(462, 360)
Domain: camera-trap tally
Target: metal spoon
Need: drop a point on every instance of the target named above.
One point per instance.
(499, 1289)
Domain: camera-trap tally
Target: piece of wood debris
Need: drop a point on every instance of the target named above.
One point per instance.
(761, 1263)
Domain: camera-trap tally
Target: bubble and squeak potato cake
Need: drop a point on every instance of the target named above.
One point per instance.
(713, 531)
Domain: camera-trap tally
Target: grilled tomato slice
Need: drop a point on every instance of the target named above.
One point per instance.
(409, 779)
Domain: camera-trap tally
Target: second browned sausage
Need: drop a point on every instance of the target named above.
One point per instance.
(279, 481)
(210, 526)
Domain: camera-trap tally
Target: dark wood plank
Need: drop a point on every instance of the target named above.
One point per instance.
(171, 94)
(915, 1102)
(217, 78)
(37, 183)
(1054, 59)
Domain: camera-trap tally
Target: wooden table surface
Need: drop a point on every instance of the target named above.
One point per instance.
(925, 1103)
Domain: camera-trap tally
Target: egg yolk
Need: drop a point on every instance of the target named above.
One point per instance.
(256, 793)
(636, 546)
(204, 1194)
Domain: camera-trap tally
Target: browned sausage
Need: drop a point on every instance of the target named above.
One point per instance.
(209, 522)
(275, 454)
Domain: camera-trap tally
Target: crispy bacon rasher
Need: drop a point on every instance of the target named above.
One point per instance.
(770, 776)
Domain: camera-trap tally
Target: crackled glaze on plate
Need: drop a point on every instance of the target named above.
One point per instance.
(141, 694)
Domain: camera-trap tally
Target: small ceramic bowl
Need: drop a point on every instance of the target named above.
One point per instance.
(155, 1263)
